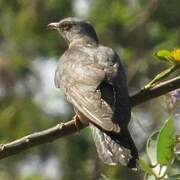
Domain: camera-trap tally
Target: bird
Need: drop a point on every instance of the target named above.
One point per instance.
(94, 81)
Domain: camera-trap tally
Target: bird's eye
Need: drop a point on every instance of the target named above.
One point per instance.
(67, 27)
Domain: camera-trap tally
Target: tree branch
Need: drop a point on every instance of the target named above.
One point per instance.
(64, 129)
(158, 90)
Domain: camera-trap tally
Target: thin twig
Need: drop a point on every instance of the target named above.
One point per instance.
(158, 90)
(162, 75)
(64, 129)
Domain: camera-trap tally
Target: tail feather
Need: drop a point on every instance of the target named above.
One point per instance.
(115, 149)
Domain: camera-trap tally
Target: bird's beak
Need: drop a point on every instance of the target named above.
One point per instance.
(53, 25)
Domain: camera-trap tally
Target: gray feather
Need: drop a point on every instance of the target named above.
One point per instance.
(108, 150)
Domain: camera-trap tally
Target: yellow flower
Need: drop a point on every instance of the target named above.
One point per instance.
(171, 56)
(175, 54)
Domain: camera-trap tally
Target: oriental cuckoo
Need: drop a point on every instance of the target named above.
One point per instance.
(94, 82)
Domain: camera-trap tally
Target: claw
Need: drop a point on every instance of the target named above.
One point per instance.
(77, 122)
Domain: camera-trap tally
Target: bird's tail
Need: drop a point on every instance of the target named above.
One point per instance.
(114, 148)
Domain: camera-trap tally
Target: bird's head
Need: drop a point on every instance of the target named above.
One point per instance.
(75, 29)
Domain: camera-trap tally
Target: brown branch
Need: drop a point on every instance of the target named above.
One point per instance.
(158, 90)
(63, 129)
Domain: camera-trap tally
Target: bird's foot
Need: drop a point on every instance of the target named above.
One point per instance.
(77, 122)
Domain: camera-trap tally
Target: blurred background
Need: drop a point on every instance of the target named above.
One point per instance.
(29, 101)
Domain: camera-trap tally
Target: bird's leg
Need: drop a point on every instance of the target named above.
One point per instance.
(77, 122)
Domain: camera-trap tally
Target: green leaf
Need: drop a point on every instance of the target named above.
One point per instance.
(174, 177)
(177, 148)
(149, 177)
(145, 167)
(151, 147)
(163, 55)
(165, 143)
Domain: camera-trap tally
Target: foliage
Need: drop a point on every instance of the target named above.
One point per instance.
(172, 56)
(164, 154)
(165, 143)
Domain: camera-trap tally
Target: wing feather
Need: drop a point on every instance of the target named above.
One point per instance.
(80, 73)
(93, 107)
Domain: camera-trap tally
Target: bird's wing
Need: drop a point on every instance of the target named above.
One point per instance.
(97, 88)
(122, 109)
(88, 100)
(115, 84)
